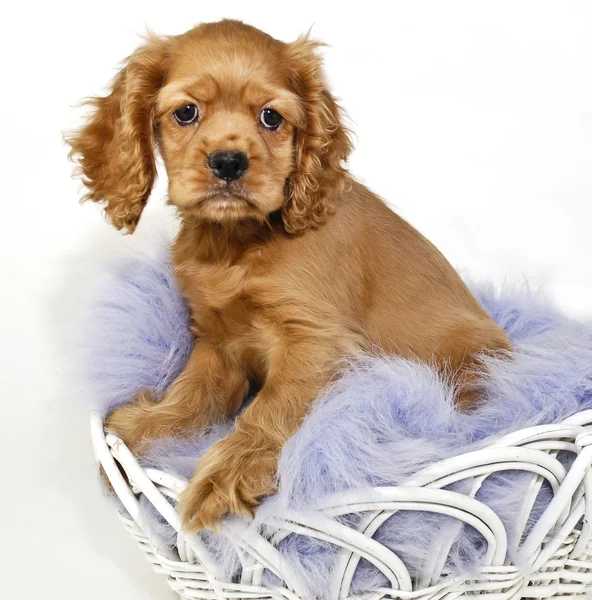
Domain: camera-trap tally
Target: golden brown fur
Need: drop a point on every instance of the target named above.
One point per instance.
(286, 270)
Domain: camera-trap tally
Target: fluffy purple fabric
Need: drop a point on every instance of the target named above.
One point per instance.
(135, 331)
(385, 419)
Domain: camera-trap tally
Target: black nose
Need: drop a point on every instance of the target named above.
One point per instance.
(228, 164)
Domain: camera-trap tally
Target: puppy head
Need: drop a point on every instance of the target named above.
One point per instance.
(244, 123)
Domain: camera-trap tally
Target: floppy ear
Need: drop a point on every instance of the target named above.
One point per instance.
(321, 145)
(115, 148)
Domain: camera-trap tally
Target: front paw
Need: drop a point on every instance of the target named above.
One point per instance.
(132, 422)
(229, 480)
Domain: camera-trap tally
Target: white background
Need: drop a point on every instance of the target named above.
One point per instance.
(473, 119)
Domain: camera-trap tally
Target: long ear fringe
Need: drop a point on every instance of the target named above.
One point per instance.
(114, 150)
(321, 147)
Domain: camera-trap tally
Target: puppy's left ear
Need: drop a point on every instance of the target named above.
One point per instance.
(322, 145)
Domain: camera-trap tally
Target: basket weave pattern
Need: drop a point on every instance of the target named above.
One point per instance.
(555, 556)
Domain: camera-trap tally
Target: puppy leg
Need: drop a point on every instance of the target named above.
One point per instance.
(460, 357)
(208, 390)
(240, 469)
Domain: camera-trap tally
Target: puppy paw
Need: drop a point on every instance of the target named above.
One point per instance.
(133, 422)
(229, 480)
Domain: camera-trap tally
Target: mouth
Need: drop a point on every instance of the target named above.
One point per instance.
(228, 203)
(226, 198)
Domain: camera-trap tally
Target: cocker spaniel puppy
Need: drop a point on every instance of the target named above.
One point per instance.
(286, 262)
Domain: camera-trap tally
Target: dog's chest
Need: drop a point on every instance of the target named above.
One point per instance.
(224, 305)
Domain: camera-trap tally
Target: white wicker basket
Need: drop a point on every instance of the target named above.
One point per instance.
(558, 547)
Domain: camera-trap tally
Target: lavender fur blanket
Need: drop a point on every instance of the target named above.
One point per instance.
(384, 420)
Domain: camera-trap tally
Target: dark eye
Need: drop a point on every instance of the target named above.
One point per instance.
(186, 114)
(271, 118)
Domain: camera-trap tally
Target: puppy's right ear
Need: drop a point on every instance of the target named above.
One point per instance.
(115, 148)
